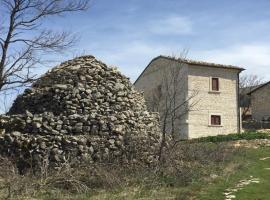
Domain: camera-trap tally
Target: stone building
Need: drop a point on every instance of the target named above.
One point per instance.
(260, 102)
(245, 101)
(205, 96)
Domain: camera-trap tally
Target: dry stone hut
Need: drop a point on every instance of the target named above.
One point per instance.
(81, 109)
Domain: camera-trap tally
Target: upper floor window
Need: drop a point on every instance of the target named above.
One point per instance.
(215, 84)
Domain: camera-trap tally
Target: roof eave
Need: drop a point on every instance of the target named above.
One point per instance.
(202, 64)
(258, 88)
(146, 68)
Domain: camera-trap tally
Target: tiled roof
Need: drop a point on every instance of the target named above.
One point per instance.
(202, 63)
(192, 62)
(259, 87)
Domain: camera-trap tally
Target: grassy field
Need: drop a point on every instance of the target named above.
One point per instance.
(249, 164)
(201, 171)
(245, 164)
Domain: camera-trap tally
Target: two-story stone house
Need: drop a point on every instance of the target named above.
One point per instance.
(206, 93)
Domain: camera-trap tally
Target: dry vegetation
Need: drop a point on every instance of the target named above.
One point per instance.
(183, 164)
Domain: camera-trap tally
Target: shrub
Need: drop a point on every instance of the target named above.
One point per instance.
(182, 164)
(233, 137)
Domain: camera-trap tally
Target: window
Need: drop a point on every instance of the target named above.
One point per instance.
(215, 84)
(215, 120)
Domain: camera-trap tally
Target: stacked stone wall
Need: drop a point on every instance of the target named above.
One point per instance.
(84, 110)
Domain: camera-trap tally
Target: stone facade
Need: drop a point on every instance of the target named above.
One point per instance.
(196, 79)
(223, 103)
(153, 78)
(260, 102)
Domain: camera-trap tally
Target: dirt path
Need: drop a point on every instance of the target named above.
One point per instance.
(230, 192)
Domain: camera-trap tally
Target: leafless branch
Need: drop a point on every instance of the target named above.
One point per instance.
(250, 80)
(247, 83)
(172, 100)
(23, 40)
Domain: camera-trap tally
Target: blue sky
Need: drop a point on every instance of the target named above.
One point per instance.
(129, 33)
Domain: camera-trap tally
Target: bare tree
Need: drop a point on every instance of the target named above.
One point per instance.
(247, 83)
(6, 98)
(172, 99)
(23, 38)
(250, 80)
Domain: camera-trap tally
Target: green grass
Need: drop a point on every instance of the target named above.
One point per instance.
(243, 165)
(251, 165)
(207, 183)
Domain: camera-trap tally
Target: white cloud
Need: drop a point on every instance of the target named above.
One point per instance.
(172, 25)
(131, 58)
(253, 57)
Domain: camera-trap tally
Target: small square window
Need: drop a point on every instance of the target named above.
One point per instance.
(215, 84)
(215, 120)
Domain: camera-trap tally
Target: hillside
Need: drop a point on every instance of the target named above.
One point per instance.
(190, 170)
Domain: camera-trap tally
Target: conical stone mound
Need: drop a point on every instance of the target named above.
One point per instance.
(81, 109)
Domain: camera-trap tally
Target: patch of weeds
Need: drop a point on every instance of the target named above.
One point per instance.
(234, 137)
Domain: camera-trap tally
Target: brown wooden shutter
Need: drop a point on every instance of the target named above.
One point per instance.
(218, 120)
(215, 84)
(212, 120)
(215, 120)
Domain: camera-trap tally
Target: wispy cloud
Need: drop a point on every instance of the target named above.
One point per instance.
(132, 58)
(172, 25)
(253, 57)
(129, 34)
(152, 26)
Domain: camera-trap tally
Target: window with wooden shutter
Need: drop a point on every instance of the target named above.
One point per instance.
(215, 84)
(215, 120)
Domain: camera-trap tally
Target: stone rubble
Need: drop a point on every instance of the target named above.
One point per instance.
(229, 193)
(81, 109)
(266, 158)
(254, 144)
